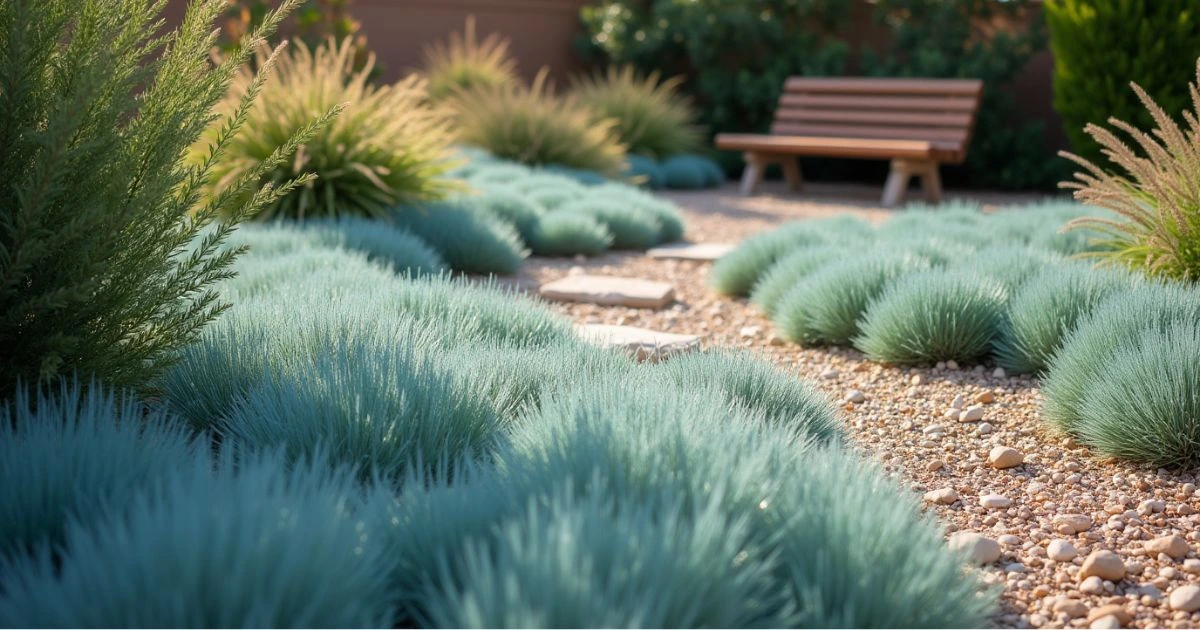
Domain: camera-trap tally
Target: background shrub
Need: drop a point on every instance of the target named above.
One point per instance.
(1101, 47)
(87, 162)
(651, 117)
(468, 237)
(532, 126)
(465, 63)
(933, 316)
(387, 146)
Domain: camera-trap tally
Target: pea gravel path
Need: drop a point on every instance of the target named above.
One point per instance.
(1061, 494)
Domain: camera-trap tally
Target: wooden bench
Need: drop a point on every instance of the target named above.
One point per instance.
(918, 124)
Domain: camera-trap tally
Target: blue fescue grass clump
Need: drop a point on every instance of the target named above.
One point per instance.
(1118, 320)
(1011, 265)
(630, 229)
(645, 171)
(1144, 406)
(686, 172)
(498, 172)
(933, 316)
(469, 238)
(737, 272)
(508, 204)
(252, 545)
(378, 241)
(72, 454)
(374, 404)
(578, 175)
(788, 271)
(754, 385)
(827, 305)
(1046, 308)
(567, 234)
(553, 197)
(666, 214)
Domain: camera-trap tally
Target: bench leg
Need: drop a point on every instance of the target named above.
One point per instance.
(753, 175)
(791, 172)
(931, 183)
(897, 184)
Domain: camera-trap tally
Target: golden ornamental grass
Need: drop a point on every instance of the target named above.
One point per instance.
(653, 118)
(1155, 191)
(465, 63)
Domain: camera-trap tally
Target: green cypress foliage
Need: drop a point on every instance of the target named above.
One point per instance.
(98, 208)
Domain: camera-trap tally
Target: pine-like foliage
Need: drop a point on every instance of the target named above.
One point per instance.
(388, 146)
(69, 453)
(1156, 192)
(652, 117)
(465, 63)
(98, 206)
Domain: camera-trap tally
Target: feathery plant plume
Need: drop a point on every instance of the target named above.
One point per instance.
(252, 544)
(788, 271)
(1119, 319)
(99, 207)
(1156, 193)
(567, 234)
(630, 229)
(464, 63)
(1046, 308)
(532, 125)
(826, 307)
(467, 236)
(70, 453)
(933, 316)
(388, 145)
(652, 117)
(1145, 405)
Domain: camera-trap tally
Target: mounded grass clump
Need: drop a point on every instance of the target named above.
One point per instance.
(1011, 265)
(755, 386)
(826, 306)
(567, 234)
(737, 272)
(690, 172)
(469, 238)
(70, 453)
(789, 271)
(645, 171)
(1046, 309)
(1117, 321)
(252, 545)
(666, 214)
(463, 62)
(651, 116)
(382, 243)
(630, 229)
(1144, 406)
(513, 207)
(933, 316)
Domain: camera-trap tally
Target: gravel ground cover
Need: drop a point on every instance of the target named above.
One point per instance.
(1073, 540)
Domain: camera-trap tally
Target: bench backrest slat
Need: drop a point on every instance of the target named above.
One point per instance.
(941, 111)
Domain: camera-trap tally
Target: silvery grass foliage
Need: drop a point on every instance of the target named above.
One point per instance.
(737, 272)
(252, 543)
(567, 233)
(509, 204)
(464, 62)
(1010, 264)
(468, 237)
(1145, 405)
(691, 172)
(818, 529)
(72, 453)
(644, 171)
(666, 214)
(825, 307)
(931, 316)
(789, 271)
(630, 229)
(649, 114)
(98, 206)
(382, 243)
(1086, 354)
(1047, 307)
(1155, 193)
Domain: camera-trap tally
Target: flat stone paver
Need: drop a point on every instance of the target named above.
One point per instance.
(609, 291)
(642, 343)
(691, 251)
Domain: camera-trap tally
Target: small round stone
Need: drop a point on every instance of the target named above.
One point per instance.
(855, 396)
(1103, 564)
(1185, 598)
(1005, 457)
(1061, 550)
(941, 496)
(1174, 546)
(994, 501)
(979, 549)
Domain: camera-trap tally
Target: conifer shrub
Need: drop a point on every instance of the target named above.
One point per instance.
(532, 125)
(256, 544)
(630, 229)
(751, 384)
(463, 62)
(790, 271)
(1116, 321)
(651, 117)
(467, 236)
(932, 316)
(567, 234)
(388, 146)
(71, 453)
(98, 206)
(1046, 308)
(827, 306)
(1144, 406)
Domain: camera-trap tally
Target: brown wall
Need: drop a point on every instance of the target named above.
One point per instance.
(542, 32)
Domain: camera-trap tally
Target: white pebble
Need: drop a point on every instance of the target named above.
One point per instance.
(985, 428)
(855, 396)
(971, 414)
(994, 501)
(979, 549)
(942, 496)
(1185, 598)
(1092, 586)
(959, 402)
(1061, 550)
(999, 373)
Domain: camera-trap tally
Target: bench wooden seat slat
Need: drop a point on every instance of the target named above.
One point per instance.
(916, 123)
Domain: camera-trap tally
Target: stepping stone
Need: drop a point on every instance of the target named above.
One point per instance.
(643, 344)
(691, 251)
(610, 291)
